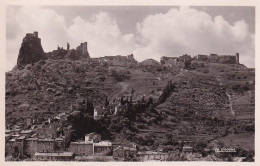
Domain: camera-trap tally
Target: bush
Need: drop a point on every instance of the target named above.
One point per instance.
(120, 75)
(167, 148)
(141, 126)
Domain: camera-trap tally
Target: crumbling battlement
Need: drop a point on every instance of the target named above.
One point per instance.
(83, 49)
(118, 60)
(34, 34)
(175, 61)
(215, 58)
(212, 58)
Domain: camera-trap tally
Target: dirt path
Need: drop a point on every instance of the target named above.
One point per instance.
(230, 104)
(229, 96)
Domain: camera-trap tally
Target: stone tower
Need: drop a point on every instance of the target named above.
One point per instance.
(83, 49)
(237, 58)
(68, 46)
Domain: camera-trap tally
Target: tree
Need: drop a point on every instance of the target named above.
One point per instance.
(122, 100)
(106, 102)
(150, 101)
(142, 101)
(166, 92)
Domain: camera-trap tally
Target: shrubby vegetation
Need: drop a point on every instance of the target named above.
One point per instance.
(120, 75)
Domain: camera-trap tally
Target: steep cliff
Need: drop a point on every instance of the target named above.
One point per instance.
(31, 50)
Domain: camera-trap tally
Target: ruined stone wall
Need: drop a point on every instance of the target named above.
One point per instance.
(169, 61)
(83, 49)
(224, 59)
(227, 59)
(203, 58)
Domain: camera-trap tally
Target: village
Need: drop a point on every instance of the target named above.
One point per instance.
(34, 141)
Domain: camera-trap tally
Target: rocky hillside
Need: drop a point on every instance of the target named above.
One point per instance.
(201, 102)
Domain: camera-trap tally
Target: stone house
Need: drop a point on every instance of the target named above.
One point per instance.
(81, 148)
(103, 148)
(7, 137)
(123, 152)
(9, 147)
(99, 112)
(20, 142)
(26, 133)
(59, 144)
(45, 145)
(15, 146)
(152, 156)
(15, 131)
(120, 109)
(7, 131)
(29, 121)
(31, 146)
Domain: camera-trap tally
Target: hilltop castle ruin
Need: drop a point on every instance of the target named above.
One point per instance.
(212, 58)
(31, 50)
(215, 58)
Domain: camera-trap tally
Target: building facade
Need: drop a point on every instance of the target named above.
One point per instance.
(64, 156)
(81, 148)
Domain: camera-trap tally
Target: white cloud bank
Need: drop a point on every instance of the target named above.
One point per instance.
(177, 32)
(190, 31)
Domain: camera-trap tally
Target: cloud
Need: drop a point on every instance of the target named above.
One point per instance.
(101, 32)
(187, 30)
(51, 26)
(103, 35)
(177, 32)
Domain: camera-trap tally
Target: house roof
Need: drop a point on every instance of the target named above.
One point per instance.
(31, 139)
(151, 153)
(25, 131)
(12, 140)
(103, 143)
(81, 143)
(64, 154)
(21, 137)
(59, 139)
(46, 140)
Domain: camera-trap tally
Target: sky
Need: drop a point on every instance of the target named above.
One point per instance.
(145, 31)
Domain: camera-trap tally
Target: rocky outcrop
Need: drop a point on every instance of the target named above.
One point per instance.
(31, 50)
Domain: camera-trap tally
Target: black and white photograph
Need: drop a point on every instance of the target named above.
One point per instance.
(129, 83)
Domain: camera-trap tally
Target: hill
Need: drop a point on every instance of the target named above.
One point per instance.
(157, 105)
